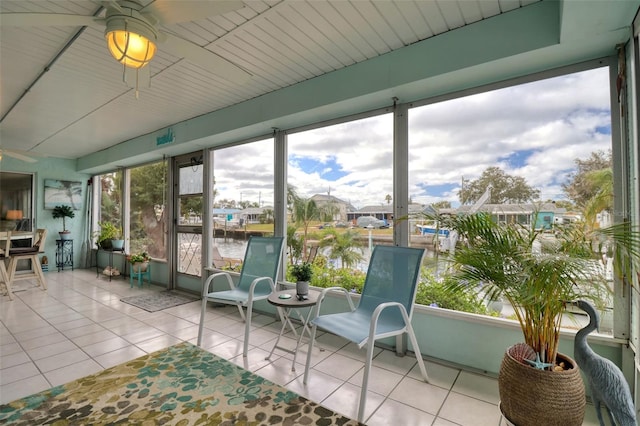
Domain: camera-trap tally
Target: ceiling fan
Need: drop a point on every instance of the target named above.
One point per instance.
(132, 32)
(19, 155)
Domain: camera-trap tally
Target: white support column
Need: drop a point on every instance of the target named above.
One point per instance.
(401, 188)
(280, 191)
(400, 174)
(208, 187)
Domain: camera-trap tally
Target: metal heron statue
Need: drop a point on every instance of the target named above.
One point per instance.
(606, 382)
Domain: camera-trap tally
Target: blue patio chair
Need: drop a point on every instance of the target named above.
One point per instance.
(257, 281)
(385, 308)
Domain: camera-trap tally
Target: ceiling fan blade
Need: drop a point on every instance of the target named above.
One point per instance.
(203, 58)
(48, 20)
(173, 11)
(17, 156)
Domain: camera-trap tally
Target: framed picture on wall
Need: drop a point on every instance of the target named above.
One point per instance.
(62, 192)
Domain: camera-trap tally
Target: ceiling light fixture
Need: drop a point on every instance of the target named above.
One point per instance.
(131, 40)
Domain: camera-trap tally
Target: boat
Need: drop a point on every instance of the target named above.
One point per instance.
(432, 228)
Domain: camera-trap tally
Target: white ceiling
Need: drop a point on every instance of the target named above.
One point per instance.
(80, 105)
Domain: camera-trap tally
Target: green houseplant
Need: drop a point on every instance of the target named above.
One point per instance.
(537, 273)
(139, 261)
(108, 232)
(63, 212)
(302, 272)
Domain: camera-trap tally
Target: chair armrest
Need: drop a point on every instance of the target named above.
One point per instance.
(324, 292)
(378, 311)
(209, 281)
(257, 281)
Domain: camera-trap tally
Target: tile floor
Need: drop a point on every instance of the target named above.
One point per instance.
(80, 326)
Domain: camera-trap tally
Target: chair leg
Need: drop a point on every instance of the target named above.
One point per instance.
(4, 276)
(12, 269)
(312, 339)
(247, 330)
(365, 380)
(204, 308)
(241, 312)
(37, 269)
(416, 350)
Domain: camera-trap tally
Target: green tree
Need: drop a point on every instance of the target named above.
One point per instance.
(147, 227)
(294, 244)
(111, 198)
(442, 205)
(388, 199)
(602, 200)
(504, 188)
(563, 204)
(580, 187)
(305, 211)
(267, 216)
(343, 246)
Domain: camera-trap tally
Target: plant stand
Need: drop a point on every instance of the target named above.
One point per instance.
(140, 270)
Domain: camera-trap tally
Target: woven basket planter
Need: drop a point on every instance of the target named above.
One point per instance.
(529, 396)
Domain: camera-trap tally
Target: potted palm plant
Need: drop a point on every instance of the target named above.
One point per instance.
(537, 274)
(63, 212)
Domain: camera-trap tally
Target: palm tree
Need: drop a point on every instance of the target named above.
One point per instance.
(294, 243)
(305, 210)
(602, 199)
(267, 216)
(343, 246)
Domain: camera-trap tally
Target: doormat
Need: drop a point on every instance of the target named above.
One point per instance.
(157, 301)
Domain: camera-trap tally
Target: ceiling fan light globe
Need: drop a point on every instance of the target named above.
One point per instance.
(130, 49)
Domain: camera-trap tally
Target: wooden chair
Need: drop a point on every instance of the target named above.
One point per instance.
(30, 253)
(5, 239)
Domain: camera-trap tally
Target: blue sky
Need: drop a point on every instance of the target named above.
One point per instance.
(535, 131)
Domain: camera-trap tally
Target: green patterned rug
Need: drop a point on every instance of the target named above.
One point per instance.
(181, 385)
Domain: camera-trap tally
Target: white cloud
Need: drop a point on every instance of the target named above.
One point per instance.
(555, 119)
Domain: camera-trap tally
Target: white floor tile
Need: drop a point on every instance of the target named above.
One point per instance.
(18, 372)
(61, 360)
(339, 366)
(40, 335)
(420, 395)
(467, 411)
(393, 413)
(42, 352)
(22, 388)
(119, 356)
(476, 386)
(72, 372)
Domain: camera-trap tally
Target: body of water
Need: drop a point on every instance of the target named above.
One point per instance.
(230, 247)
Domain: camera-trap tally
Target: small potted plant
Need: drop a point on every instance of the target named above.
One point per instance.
(107, 233)
(302, 272)
(63, 212)
(139, 261)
